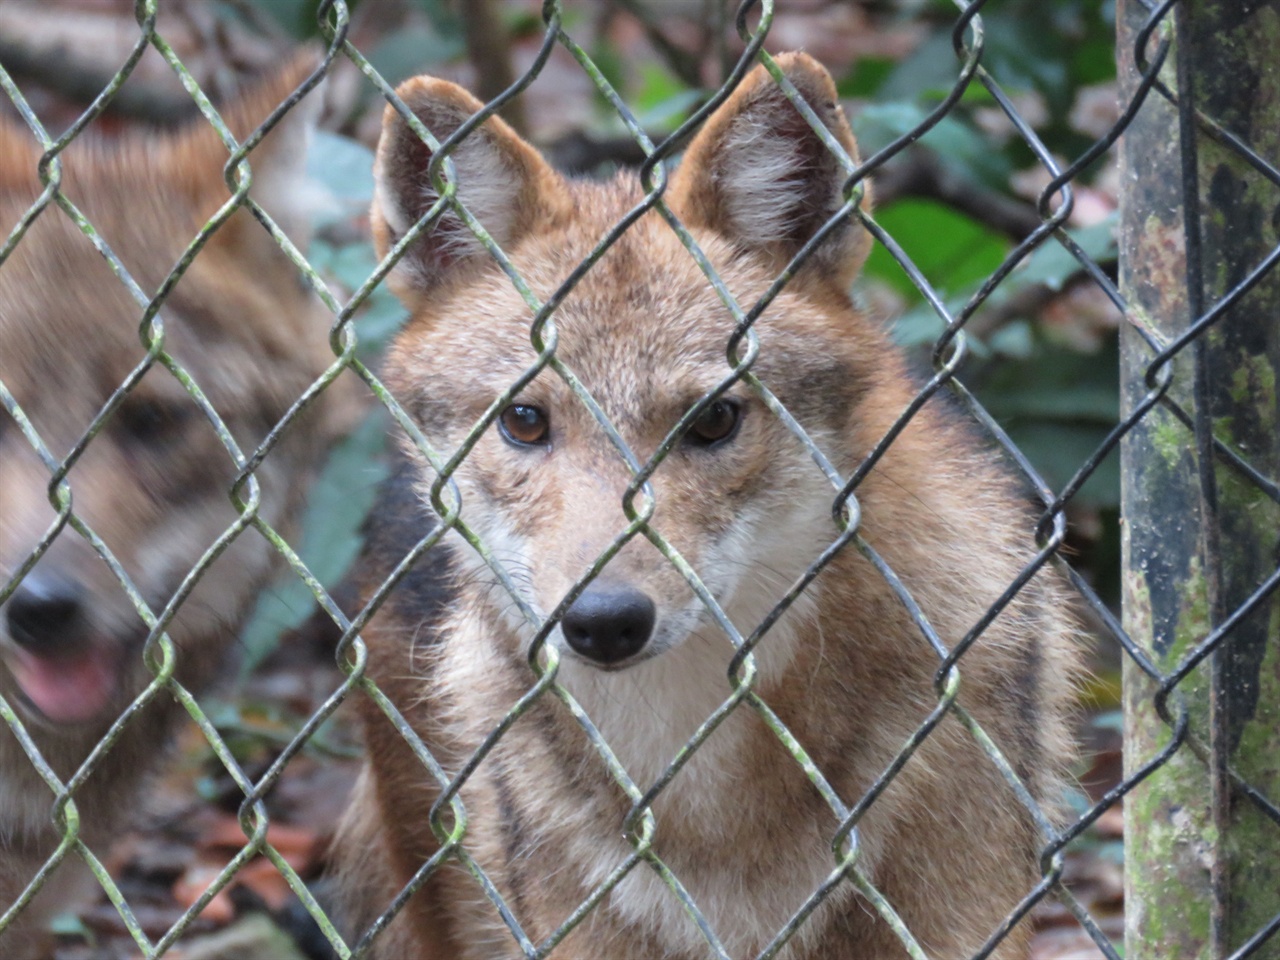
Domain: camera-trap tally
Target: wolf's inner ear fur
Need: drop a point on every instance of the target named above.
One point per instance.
(501, 180)
(758, 174)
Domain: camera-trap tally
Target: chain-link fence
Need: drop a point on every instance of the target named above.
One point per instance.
(1197, 437)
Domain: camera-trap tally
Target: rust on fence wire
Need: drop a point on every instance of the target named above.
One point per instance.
(1197, 439)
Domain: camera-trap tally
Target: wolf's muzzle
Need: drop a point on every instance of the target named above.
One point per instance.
(45, 613)
(57, 658)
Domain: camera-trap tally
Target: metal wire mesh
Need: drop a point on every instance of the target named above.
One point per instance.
(1151, 53)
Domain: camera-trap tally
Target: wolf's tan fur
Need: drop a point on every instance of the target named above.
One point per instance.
(846, 669)
(154, 483)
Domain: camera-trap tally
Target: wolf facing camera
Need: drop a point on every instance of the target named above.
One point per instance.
(846, 668)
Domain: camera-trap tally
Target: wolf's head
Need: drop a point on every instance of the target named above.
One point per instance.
(646, 333)
(153, 483)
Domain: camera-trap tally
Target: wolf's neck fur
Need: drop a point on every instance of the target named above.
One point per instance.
(647, 714)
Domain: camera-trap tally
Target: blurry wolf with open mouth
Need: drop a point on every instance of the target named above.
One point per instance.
(154, 483)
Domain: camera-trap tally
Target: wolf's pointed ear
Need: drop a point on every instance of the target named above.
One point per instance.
(759, 175)
(503, 181)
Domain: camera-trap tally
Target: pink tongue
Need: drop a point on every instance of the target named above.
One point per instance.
(66, 690)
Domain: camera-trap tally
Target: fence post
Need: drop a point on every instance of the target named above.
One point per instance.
(1202, 853)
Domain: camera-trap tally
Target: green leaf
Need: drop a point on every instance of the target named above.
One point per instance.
(381, 315)
(296, 16)
(879, 124)
(379, 320)
(340, 173)
(1050, 265)
(1094, 60)
(443, 18)
(611, 66)
(956, 143)
(866, 77)
(329, 539)
(409, 51)
(917, 327)
(1056, 385)
(344, 166)
(662, 100)
(1058, 406)
(68, 924)
(1058, 450)
(1023, 55)
(1053, 265)
(951, 249)
(933, 65)
(1015, 339)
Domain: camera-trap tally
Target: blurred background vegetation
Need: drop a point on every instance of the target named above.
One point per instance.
(1043, 346)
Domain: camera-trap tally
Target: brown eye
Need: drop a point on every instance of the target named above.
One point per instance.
(523, 425)
(718, 423)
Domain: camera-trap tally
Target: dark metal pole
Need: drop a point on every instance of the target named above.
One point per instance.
(1200, 223)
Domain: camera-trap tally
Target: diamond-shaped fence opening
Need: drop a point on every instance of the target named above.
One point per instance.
(1195, 440)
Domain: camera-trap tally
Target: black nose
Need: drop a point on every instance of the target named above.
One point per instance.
(43, 614)
(608, 623)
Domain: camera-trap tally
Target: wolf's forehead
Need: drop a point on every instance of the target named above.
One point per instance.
(644, 319)
(643, 284)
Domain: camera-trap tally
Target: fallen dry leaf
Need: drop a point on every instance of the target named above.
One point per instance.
(191, 886)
